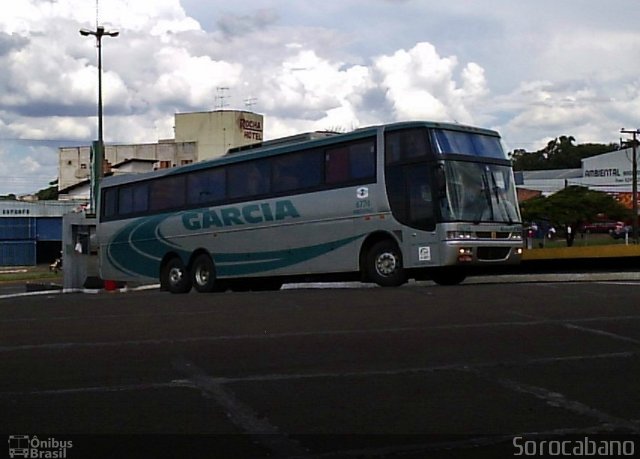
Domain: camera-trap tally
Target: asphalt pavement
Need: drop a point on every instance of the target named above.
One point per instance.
(345, 371)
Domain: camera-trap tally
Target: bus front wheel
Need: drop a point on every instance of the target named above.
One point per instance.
(175, 276)
(383, 264)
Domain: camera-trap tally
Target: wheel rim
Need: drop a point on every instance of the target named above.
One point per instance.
(386, 264)
(202, 276)
(175, 275)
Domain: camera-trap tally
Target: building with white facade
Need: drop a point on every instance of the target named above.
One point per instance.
(81, 190)
(218, 131)
(75, 162)
(31, 232)
(609, 172)
(198, 136)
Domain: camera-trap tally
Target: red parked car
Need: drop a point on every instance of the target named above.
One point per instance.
(601, 227)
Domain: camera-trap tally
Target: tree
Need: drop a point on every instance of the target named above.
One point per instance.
(572, 207)
(50, 193)
(559, 153)
(47, 194)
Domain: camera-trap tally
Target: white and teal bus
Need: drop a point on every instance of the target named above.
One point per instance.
(383, 204)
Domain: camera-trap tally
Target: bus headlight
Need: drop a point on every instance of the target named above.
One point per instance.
(458, 235)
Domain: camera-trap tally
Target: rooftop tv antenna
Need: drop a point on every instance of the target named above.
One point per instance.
(221, 97)
(249, 102)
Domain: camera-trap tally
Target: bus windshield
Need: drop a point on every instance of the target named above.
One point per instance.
(478, 193)
(467, 143)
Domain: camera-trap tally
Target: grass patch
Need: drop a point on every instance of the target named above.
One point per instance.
(586, 240)
(29, 273)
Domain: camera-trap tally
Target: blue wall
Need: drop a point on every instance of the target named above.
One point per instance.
(16, 228)
(17, 253)
(19, 237)
(49, 229)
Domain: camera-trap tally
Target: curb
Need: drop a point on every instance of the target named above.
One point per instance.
(61, 291)
(564, 253)
(471, 280)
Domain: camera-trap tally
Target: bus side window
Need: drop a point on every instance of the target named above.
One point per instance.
(110, 203)
(356, 161)
(206, 186)
(167, 193)
(125, 200)
(249, 179)
(410, 196)
(406, 144)
(297, 171)
(310, 174)
(133, 199)
(421, 214)
(337, 165)
(362, 158)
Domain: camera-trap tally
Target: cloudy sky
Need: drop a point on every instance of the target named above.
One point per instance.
(533, 69)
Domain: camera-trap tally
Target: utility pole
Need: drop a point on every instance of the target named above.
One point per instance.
(634, 186)
(98, 147)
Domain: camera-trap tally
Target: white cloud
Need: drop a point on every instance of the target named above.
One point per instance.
(29, 165)
(541, 110)
(532, 70)
(191, 80)
(42, 128)
(312, 84)
(421, 84)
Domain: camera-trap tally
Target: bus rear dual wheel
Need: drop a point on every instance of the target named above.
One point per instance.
(177, 278)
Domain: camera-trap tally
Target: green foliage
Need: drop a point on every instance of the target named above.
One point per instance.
(573, 207)
(560, 153)
(50, 193)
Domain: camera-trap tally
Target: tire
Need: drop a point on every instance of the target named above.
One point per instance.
(175, 276)
(448, 276)
(383, 264)
(203, 274)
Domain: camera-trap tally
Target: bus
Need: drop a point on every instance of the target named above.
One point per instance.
(382, 204)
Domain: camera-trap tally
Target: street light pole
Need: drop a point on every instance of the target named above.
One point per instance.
(634, 178)
(98, 147)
